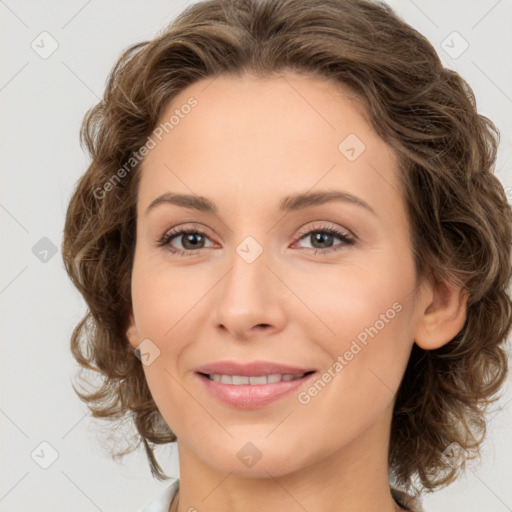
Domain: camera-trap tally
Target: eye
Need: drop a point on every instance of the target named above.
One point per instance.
(321, 237)
(193, 240)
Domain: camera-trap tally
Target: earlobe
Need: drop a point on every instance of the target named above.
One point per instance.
(132, 334)
(444, 317)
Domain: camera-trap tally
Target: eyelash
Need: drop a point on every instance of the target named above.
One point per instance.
(330, 230)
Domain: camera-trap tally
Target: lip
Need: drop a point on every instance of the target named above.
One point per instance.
(251, 396)
(251, 369)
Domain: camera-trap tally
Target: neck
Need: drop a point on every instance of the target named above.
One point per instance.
(355, 477)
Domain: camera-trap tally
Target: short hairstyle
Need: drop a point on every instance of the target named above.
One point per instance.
(457, 207)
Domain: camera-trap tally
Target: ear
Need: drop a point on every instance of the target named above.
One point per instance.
(443, 315)
(132, 333)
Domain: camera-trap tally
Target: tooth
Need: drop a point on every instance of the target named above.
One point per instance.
(258, 380)
(239, 379)
(226, 379)
(290, 377)
(253, 380)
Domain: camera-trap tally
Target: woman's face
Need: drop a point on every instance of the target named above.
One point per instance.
(266, 278)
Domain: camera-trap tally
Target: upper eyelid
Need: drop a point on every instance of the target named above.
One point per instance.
(326, 226)
(303, 231)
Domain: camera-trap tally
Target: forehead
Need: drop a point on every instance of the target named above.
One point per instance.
(253, 137)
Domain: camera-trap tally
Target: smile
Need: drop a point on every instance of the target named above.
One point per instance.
(238, 380)
(249, 392)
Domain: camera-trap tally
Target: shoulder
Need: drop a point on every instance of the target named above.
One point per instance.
(163, 501)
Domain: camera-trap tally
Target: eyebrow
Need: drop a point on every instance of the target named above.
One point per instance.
(291, 203)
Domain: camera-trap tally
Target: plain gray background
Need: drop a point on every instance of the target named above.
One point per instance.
(43, 99)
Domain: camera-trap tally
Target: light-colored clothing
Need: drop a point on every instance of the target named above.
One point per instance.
(164, 499)
(163, 502)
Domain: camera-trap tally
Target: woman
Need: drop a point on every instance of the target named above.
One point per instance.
(291, 220)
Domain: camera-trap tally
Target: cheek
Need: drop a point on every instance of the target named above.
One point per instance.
(162, 298)
(164, 309)
(365, 314)
(369, 355)
(344, 300)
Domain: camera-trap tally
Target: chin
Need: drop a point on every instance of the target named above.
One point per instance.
(255, 459)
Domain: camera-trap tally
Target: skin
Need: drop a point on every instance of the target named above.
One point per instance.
(247, 144)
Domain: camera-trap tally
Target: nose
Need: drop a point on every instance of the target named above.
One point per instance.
(250, 299)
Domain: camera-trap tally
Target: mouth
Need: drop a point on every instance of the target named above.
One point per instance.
(254, 380)
(252, 391)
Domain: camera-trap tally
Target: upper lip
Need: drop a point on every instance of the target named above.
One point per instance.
(251, 369)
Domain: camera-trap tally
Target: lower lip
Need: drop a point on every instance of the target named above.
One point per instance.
(247, 396)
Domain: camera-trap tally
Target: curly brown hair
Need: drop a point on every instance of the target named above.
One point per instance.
(461, 220)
